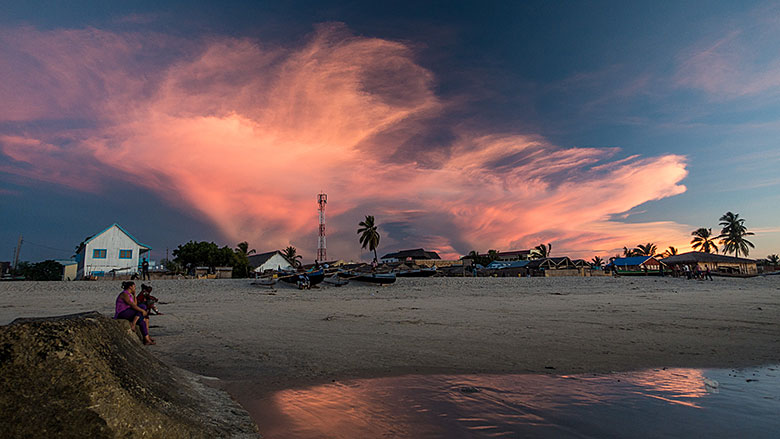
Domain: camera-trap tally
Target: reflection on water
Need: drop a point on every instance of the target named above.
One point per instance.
(654, 403)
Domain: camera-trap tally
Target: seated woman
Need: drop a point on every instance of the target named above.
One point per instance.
(127, 309)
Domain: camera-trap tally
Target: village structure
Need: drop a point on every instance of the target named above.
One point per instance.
(111, 252)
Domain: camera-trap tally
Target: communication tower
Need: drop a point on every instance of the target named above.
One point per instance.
(322, 200)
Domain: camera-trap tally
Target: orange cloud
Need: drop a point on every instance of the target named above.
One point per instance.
(247, 136)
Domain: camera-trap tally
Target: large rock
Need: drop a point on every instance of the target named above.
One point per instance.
(86, 375)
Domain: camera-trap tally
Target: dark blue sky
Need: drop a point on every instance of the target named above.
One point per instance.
(680, 78)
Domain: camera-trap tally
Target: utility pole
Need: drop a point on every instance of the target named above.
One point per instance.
(17, 253)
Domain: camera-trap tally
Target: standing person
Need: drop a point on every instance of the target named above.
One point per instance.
(707, 273)
(127, 309)
(145, 269)
(687, 270)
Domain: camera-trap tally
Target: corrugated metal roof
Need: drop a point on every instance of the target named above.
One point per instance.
(633, 260)
(690, 257)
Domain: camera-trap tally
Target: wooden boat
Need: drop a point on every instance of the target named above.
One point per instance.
(374, 278)
(336, 281)
(264, 282)
(422, 272)
(315, 277)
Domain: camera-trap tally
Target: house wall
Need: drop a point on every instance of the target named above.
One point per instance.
(563, 272)
(70, 272)
(112, 240)
(743, 268)
(273, 263)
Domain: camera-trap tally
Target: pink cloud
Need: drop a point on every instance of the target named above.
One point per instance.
(246, 136)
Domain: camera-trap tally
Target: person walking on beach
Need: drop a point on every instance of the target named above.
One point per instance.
(707, 274)
(127, 309)
(145, 270)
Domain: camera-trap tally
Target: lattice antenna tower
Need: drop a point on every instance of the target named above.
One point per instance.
(322, 200)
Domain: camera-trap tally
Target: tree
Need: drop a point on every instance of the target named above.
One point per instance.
(671, 251)
(597, 262)
(45, 271)
(242, 255)
(733, 235)
(492, 255)
(243, 248)
(703, 240)
(204, 254)
(291, 254)
(773, 259)
(369, 236)
(541, 251)
(648, 249)
(627, 252)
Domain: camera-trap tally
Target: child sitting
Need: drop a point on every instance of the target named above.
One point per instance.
(145, 298)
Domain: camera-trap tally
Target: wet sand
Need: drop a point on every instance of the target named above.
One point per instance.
(282, 337)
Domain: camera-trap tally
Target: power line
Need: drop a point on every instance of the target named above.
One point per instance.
(47, 247)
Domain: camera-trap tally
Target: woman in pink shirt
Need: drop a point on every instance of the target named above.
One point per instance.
(127, 309)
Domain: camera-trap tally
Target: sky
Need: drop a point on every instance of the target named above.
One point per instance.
(458, 125)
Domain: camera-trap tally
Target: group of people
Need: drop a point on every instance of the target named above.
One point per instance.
(691, 272)
(136, 309)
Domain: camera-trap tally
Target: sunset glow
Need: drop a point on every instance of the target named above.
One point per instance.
(242, 133)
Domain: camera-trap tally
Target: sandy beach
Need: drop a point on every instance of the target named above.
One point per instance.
(284, 337)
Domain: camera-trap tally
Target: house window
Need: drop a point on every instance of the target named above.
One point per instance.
(125, 254)
(99, 253)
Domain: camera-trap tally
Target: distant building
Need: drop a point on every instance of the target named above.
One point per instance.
(637, 265)
(69, 268)
(416, 254)
(269, 261)
(514, 255)
(112, 251)
(717, 264)
(499, 265)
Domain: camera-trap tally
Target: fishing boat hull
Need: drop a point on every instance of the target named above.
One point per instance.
(424, 272)
(373, 278)
(315, 277)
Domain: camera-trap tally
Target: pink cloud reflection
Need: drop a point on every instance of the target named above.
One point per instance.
(247, 136)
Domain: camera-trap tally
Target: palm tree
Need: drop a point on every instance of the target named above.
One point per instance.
(648, 249)
(369, 236)
(671, 251)
(492, 255)
(291, 254)
(703, 240)
(243, 252)
(627, 253)
(541, 251)
(242, 248)
(733, 234)
(773, 259)
(597, 261)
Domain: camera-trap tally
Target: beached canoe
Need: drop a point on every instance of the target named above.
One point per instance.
(336, 281)
(374, 278)
(422, 272)
(315, 277)
(264, 282)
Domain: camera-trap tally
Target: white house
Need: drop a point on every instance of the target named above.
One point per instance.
(269, 261)
(111, 251)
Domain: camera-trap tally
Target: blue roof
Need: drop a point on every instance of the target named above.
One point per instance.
(633, 260)
(123, 231)
(507, 264)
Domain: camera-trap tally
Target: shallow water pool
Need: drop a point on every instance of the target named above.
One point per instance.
(651, 403)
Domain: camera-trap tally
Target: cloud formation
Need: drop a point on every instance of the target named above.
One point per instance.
(247, 135)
